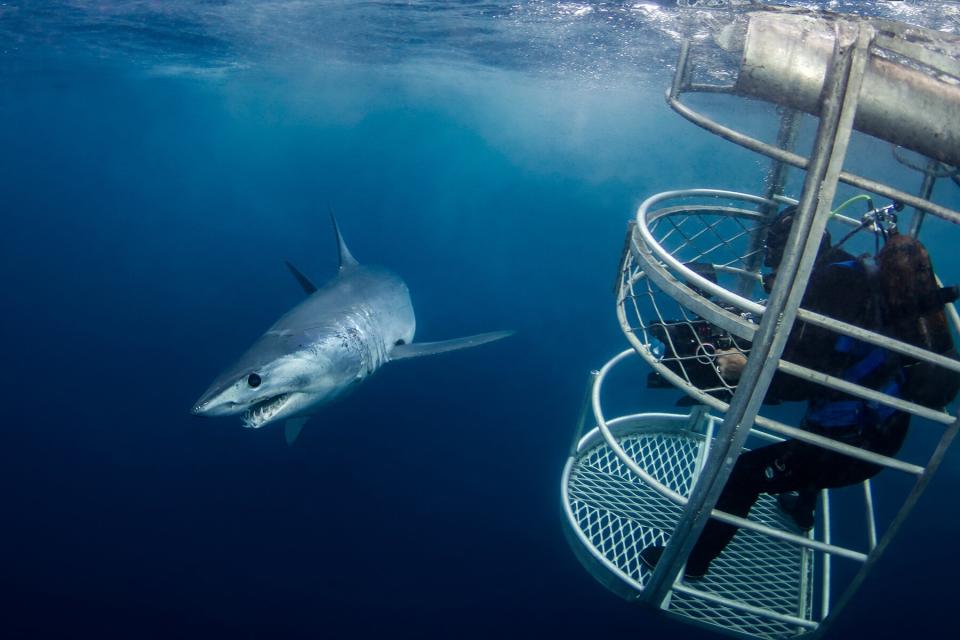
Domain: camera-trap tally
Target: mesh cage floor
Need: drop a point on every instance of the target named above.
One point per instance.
(620, 516)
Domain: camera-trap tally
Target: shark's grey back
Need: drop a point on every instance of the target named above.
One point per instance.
(366, 308)
(374, 292)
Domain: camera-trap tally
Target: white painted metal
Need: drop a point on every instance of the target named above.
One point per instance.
(637, 480)
(613, 515)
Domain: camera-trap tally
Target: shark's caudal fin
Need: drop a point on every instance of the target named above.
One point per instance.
(304, 281)
(417, 349)
(292, 429)
(346, 258)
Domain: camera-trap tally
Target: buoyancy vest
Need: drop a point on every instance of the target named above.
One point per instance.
(845, 289)
(870, 366)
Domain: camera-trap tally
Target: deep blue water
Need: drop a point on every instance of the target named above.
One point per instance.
(159, 161)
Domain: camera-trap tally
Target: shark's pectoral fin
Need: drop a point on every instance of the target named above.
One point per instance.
(304, 281)
(292, 428)
(417, 349)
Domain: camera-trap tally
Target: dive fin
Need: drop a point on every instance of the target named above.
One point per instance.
(304, 281)
(346, 258)
(292, 428)
(402, 351)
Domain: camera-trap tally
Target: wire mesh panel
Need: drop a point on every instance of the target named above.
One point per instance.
(756, 570)
(619, 515)
(732, 620)
(721, 244)
(702, 357)
(715, 236)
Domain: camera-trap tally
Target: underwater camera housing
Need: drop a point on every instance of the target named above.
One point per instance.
(691, 349)
(702, 354)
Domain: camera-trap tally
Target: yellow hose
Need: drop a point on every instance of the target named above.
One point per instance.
(846, 204)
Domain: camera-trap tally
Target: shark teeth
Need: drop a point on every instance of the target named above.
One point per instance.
(262, 412)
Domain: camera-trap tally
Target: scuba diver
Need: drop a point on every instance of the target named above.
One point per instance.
(849, 289)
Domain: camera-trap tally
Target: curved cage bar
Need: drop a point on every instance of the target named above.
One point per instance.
(761, 583)
(678, 307)
(909, 93)
(679, 498)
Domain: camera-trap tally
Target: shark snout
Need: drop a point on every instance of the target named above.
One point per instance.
(204, 404)
(201, 408)
(215, 403)
(212, 408)
(229, 395)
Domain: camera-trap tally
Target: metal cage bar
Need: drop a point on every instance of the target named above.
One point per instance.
(654, 478)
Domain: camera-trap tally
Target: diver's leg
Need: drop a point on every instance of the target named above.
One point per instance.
(769, 469)
(800, 505)
(782, 467)
(786, 466)
(741, 491)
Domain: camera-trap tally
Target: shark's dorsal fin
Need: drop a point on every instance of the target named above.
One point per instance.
(346, 258)
(292, 429)
(402, 351)
(304, 281)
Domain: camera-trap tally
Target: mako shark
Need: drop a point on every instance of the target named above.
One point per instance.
(338, 337)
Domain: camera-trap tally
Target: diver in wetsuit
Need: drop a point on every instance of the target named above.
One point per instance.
(839, 287)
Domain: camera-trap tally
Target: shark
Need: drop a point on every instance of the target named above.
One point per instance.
(340, 335)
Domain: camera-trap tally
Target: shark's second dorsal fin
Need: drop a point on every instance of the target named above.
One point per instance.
(346, 258)
(304, 281)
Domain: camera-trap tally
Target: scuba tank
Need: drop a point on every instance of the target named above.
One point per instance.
(914, 309)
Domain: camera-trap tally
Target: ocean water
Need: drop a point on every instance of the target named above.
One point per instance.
(160, 160)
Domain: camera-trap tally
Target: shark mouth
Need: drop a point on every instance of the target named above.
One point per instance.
(264, 411)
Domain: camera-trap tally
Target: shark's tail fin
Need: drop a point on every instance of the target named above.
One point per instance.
(346, 258)
(417, 349)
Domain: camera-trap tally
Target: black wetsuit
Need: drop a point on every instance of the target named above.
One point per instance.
(840, 288)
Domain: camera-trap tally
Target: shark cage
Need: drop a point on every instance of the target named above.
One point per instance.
(696, 305)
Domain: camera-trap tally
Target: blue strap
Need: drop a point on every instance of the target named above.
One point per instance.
(845, 344)
(853, 413)
(882, 411)
(874, 359)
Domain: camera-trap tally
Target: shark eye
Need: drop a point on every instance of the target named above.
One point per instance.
(253, 380)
